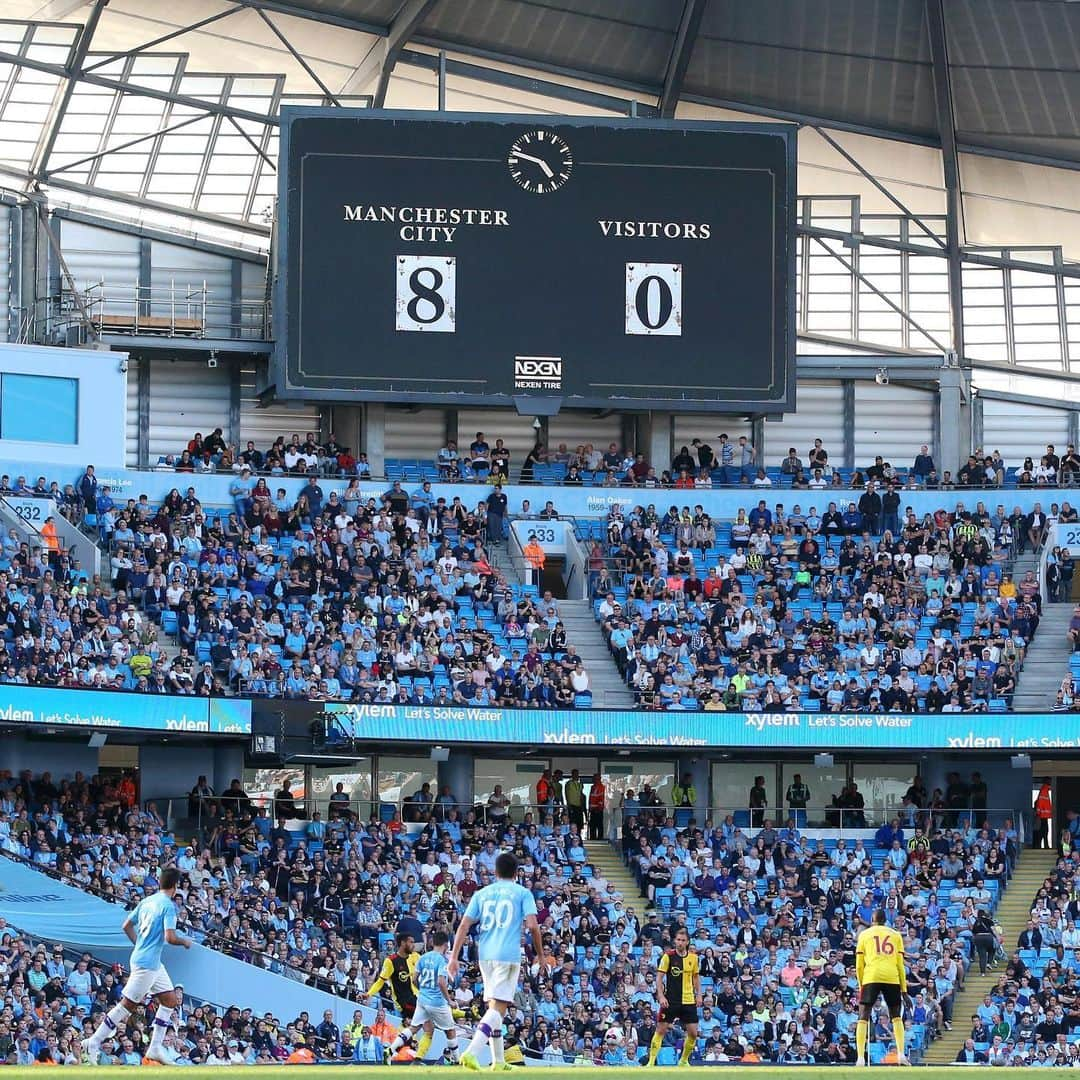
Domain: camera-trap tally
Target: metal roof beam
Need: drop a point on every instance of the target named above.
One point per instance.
(125, 145)
(528, 83)
(384, 54)
(218, 15)
(139, 90)
(72, 71)
(343, 22)
(883, 297)
(679, 60)
(298, 57)
(950, 160)
(850, 159)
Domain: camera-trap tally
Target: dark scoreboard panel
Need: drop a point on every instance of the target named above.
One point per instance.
(461, 259)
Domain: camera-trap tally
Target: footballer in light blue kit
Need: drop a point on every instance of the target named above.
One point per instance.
(501, 913)
(434, 1006)
(150, 927)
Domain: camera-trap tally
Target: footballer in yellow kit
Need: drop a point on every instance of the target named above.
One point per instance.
(879, 965)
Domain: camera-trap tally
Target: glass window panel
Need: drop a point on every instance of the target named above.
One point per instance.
(732, 781)
(620, 776)
(355, 779)
(222, 204)
(125, 162)
(161, 83)
(25, 399)
(260, 784)
(49, 54)
(177, 165)
(128, 183)
(55, 35)
(824, 783)
(402, 777)
(250, 104)
(229, 175)
(883, 785)
(156, 63)
(202, 86)
(518, 779)
(253, 85)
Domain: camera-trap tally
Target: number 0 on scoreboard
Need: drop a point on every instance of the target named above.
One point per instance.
(654, 298)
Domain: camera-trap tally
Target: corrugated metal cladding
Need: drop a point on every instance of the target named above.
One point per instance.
(131, 446)
(820, 416)
(1020, 430)
(418, 434)
(893, 421)
(263, 426)
(253, 295)
(9, 320)
(179, 277)
(515, 431)
(580, 428)
(96, 255)
(705, 426)
(185, 397)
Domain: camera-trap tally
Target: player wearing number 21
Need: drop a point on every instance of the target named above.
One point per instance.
(500, 912)
(879, 966)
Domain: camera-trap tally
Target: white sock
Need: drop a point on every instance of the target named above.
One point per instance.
(497, 1054)
(452, 1047)
(116, 1016)
(403, 1037)
(490, 1022)
(162, 1020)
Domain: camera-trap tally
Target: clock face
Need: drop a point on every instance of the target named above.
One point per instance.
(540, 162)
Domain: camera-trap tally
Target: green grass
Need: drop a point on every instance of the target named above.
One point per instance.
(361, 1072)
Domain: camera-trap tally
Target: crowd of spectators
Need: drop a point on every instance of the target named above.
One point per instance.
(52, 999)
(330, 598)
(345, 596)
(1031, 1015)
(732, 461)
(735, 461)
(850, 610)
(772, 915)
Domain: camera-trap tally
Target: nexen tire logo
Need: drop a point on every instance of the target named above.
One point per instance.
(538, 372)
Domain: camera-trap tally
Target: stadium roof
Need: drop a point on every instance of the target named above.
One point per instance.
(1010, 68)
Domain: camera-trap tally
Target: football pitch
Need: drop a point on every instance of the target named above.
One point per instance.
(429, 1072)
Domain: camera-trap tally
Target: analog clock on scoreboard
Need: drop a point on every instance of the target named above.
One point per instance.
(461, 259)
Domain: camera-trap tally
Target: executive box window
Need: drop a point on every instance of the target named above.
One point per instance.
(39, 408)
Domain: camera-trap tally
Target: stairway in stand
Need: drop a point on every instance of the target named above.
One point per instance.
(584, 633)
(607, 862)
(1047, 661)
(1012, 915)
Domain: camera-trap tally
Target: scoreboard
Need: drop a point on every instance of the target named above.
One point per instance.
(451, 258)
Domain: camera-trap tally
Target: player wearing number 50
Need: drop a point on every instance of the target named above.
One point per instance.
(500, 912)
(879, 966)
(149, 927)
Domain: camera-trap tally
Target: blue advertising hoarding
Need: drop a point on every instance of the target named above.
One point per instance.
(603, 727)
(123, 711)
(588, 501)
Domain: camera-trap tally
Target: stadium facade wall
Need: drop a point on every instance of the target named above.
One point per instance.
(100, 434)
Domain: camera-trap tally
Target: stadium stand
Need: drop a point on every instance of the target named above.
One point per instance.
(816, 611)
(771, 912)
(338, 598)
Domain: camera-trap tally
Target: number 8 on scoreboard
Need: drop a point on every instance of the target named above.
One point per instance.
(426, 293)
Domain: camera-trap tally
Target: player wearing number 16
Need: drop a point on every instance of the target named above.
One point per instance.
(500, 912)
(879, 966)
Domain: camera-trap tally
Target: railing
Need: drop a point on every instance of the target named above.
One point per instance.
(203, 813)
(178, 309)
